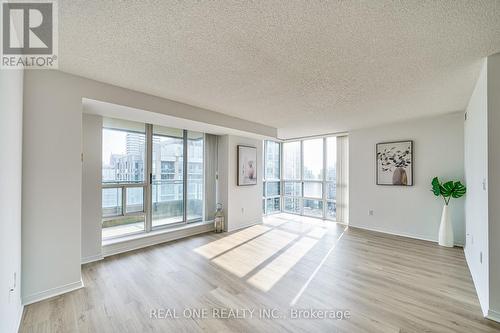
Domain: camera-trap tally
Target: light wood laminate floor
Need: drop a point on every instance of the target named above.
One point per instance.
(386, 283)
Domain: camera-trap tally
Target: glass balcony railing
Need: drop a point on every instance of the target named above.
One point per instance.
(119, 219)
(167, 202)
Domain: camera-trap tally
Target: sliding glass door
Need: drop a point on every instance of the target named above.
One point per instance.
(152, 177)
(167, 185)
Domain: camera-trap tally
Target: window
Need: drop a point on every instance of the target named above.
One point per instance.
(331, 210)
(310, 177)
(135, 199)
(293, 189)
(272, 189)
(111, 202)
(291, 205)
(312, 174)
(123, 177)
(172, 193)
(291, 160)
(313, 190)
(292, 171)
(272, 185)
(122, 156)
(273, 205)
(272, 160)
(313, 159)
(313, 208)
(167, 185)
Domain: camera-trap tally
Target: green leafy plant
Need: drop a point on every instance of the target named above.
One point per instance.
(448, 190)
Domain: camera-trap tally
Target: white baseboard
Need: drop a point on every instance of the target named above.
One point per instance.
(246, 225)
(40, 296)
(90, 259)
(493, 315)
(155, 238)
(399, 234)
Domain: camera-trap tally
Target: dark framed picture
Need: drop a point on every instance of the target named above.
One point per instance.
(247, 165)
(395, 163)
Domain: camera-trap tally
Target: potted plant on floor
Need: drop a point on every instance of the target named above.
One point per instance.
(447, 190)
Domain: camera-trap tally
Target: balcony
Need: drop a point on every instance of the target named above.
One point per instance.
(164, 213)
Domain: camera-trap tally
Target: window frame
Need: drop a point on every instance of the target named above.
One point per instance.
(278, 180)
(324, 181)
(123, 186)
(299, 198)
(182, 181)
(147, 183)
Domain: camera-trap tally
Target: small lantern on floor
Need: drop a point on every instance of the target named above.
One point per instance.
(219, 219)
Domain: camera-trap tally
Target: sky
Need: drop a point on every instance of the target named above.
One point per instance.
(113, 142)
(313, 154)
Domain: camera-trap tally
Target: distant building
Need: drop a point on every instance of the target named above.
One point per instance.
(167, 169)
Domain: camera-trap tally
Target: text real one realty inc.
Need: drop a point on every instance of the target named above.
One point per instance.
(248, 313)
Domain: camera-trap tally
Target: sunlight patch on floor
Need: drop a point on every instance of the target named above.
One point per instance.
(226, 243)
(274, 221)
(268, 276)
(296, 227)
(311, 221)
(243, 259)
(317, 232)
(242, 252)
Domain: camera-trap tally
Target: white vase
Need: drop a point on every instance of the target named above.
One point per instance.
(446, 229)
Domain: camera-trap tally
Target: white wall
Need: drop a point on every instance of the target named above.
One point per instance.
(91, 188)
(51, 185)
(494, 184)
(11, 120)
(482, 166)
(52, 170)
(410, 211)
(476, 201)
(242, 204)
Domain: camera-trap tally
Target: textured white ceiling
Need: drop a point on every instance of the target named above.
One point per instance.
(304, 67)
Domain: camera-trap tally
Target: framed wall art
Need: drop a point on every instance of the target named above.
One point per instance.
(247, 165)
(395, 163)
